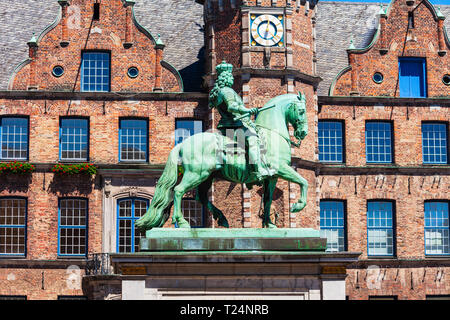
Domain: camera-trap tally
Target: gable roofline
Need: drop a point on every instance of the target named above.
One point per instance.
(436, 14)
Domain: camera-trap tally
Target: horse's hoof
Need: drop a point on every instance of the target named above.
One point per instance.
(270, 225)
(182, 223)
(297, 207)
(223, 223)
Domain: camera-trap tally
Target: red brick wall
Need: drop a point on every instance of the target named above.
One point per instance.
(108, 34)
(41, 283)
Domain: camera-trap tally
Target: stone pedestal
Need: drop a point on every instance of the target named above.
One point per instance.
(243, 264)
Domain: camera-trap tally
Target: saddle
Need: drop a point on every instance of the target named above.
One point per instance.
(232, 157)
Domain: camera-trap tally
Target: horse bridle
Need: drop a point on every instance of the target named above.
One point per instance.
(293, 143)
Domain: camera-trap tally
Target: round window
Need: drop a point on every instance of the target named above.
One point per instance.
(446, 79)
(378, 77)
(58, 71)
(133, 72)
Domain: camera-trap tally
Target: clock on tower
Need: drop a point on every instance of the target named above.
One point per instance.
(267, 30)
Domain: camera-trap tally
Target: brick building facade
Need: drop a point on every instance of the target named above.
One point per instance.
(96, 89)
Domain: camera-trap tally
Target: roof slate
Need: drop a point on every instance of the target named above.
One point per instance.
(180, 23)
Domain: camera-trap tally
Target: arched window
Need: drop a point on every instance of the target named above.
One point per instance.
(128, 211)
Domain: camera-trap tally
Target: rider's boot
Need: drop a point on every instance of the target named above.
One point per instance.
(255, 159)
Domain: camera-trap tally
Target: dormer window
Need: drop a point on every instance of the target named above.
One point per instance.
(96, 11)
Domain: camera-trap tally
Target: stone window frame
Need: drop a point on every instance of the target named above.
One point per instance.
(110, 201)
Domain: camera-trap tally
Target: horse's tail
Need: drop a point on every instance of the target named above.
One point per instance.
(158, 213)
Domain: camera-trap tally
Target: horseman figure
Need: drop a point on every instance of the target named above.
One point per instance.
(199, 158)
(235, 116)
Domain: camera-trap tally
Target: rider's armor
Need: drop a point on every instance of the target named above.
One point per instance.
(230, 106)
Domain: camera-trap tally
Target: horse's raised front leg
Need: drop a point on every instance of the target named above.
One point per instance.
(269, 188)
(288, 173)
(190, 181)
(202, 197)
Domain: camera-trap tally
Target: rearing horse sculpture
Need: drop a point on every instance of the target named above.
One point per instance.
(202, 159)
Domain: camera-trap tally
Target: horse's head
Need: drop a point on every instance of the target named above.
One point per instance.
(297, 116)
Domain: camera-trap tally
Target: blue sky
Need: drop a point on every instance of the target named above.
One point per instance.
(387, 1)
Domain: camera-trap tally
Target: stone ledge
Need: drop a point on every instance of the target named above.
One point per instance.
(206, 239)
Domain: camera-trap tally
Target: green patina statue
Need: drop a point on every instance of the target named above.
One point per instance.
(245, 152)
(231, 108)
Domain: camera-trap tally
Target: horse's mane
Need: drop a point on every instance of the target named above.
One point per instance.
(282, 99)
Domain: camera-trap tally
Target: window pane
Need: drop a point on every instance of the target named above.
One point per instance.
(330, 141)
(72, 226)
(73, 139)
(128, 237)
(437, 228)
(186, 128)
(380, 232)
(434, 143)
(95, 71)
(192, 212)
(378, 142)
(14, 138)
(12, 226)
(332, 224)
(133, 136)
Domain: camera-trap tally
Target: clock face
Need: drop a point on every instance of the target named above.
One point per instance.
(267, 30)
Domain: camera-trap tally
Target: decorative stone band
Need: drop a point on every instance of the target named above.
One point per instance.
(167, 239)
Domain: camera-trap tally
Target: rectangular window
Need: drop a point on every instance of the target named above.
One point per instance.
(330, 141)
(380, 228)
(434, 143)
(332, 225)
(412, 77)
(193, 212)
(74, 136)
(436, 228)
(128, 211)
(186, 128)
(13, 217)
(95, 71)
(13, 138)
(133, 140)
(72, 227)
(378, 142)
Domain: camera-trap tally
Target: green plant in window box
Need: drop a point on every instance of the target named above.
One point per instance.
(16, 167)
(71, 169)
